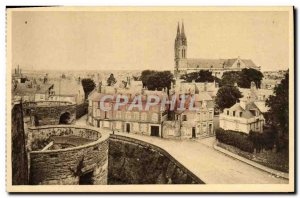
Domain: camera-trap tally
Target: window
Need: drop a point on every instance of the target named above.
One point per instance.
(241, 113)
(233, 113)
(227, 112)
(136, 115)
(210, 115)
(105, 114)
(136, 127)
(143, 128)
(184, 118)
(98, 112)
(119, 115)
(106, 124)
(155, 117)
(128, 115)
(118, 125)
(144, 116)
(171, 132)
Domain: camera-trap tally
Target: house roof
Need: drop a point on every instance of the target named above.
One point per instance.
(261, 105)
(65, 87)
(28, 88)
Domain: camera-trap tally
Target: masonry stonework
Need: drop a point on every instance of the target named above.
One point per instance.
(132, 161)
(18, 155)
(68, 166)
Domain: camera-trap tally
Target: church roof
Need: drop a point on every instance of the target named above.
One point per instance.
(205, 63)
(218, 63)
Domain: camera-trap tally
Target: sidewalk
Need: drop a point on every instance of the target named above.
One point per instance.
(254, 164)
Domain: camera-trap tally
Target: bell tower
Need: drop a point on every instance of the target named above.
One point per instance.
(180, 49)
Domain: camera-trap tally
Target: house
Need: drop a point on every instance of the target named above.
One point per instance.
(244, 117)
(191, 123)
(183, 87)
(255, 94)
(269, 83)
(32, 92)
(68, 90)
(121, 118)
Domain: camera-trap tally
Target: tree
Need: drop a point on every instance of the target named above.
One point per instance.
(88, 86)
(145, 75)
(250, 75)
(242, 78)
(111, 80)
(201, 76)
(278, 115)
(157, 80)
(227, 96)
(230, 78)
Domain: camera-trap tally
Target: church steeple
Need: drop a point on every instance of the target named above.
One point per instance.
(178, 31)
(182, 31)
(183, 37)
(180, 49)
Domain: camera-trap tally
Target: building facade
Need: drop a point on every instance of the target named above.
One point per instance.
(191, 123)
(122, 118)
(244, 117)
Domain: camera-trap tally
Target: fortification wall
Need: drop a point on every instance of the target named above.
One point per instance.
(18, 156)
(44, 114)
(132, 161)
(68, 166)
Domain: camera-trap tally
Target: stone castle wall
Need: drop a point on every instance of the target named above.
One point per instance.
(18, 156)
(132, 161)
(67, 166)
(50, 114)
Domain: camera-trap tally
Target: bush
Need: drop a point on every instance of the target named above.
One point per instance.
(263, 140)
(236, 139)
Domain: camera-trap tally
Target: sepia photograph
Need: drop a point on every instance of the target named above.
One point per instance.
(150, 99)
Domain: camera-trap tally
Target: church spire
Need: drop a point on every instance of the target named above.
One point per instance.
(182, 31)
(178, 31)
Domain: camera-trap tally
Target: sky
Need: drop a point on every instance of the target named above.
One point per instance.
(78, 40)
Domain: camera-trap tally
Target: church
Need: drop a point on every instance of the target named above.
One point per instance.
(184, 65)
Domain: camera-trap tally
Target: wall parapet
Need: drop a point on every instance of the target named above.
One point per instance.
(160, 151)
(68, 166)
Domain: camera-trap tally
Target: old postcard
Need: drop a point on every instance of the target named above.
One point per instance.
(150, 99)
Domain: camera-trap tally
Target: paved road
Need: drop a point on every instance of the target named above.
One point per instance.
(209, 165)
(81, 121)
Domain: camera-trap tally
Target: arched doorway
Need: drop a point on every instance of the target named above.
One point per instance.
(65, 118)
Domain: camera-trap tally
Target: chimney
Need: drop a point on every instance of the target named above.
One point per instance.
(253, 86)
(205, 86)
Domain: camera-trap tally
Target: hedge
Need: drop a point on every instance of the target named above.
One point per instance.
(236, 139)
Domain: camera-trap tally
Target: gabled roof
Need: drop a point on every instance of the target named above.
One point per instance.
(218, 63)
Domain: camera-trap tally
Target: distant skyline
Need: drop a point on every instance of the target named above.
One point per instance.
(145, 40)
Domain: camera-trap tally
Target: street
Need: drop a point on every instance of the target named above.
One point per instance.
(210, 165)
